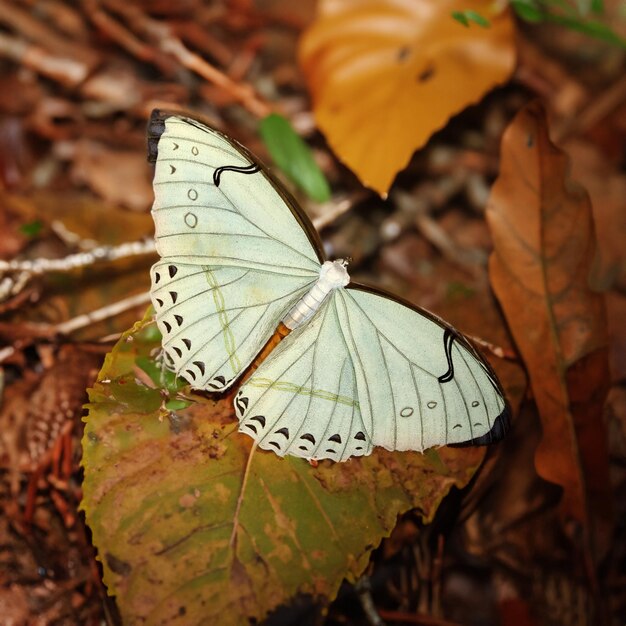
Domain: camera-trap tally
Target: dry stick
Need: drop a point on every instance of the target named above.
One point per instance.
(419, 209)
(38, 267)
(600, 107)
(331, 211)
(37, 31)
(111, 310)
(124, 37)
(415, 618)
(62, 69)
(163, 35)
(363, 587)
(28, 269)
(117, 32)
(49, 331)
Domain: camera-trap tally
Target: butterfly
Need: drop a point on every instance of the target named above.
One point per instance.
(360, 367)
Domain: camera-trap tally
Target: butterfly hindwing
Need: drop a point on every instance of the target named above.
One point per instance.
(235, 255)
(369, 371)
(214, 320)
(302, 399)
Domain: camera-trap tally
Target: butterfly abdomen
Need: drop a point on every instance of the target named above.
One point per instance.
(333, 275)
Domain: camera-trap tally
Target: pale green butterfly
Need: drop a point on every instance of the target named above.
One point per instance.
(359, 369)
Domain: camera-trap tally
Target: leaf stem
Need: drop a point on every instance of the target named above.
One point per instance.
(233, 536)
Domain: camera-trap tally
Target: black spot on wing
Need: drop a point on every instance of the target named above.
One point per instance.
(179, 319)
(241, 404)
(360, 436)
(248, 169)
(217, 383)
(308, 437)
(172, 269)
(187, 343)
(448, 338)
(283, 431)
(500, 427)
(260, 419)
(200, 366)
(335, 438)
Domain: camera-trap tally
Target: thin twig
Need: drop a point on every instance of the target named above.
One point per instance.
(68, 71)
(25, 270)
(415, 618)
(105, 312)
(331, 211)
(363, 587)
(163, 35)
(597, 109)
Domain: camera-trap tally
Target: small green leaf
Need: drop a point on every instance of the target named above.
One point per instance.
(31, 229)
(590, 28)
(177, 405)
(159, 375)
(293, 156)
(465, 17)
(460, 17)
(597, 7)
(528, 11)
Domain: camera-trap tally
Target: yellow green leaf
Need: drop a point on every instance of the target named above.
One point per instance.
(182, 536)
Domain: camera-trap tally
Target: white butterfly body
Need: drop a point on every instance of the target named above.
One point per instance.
(358, 370)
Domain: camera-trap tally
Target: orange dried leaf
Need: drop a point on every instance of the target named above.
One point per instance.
(544, 241)
(384, 76)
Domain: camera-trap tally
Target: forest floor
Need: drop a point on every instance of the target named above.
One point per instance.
(77, 84)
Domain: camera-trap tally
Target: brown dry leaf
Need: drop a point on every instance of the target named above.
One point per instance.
(606, 185)
(544, 242)
(384, 76)
(119, 176)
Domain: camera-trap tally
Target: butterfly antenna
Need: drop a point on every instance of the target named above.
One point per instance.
(233, 536)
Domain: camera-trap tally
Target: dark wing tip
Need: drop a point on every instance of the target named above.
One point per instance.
(500, 428)
(156, 127)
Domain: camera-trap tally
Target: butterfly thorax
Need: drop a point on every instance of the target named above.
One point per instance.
(333, 275)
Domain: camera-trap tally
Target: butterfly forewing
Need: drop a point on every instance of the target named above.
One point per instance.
(235, 257)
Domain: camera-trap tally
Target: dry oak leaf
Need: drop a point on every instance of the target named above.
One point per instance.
(544, 248)
(384, 75)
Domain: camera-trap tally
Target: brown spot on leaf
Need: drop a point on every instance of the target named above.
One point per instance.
(187, 500)
(117, 565)
(426, 74)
